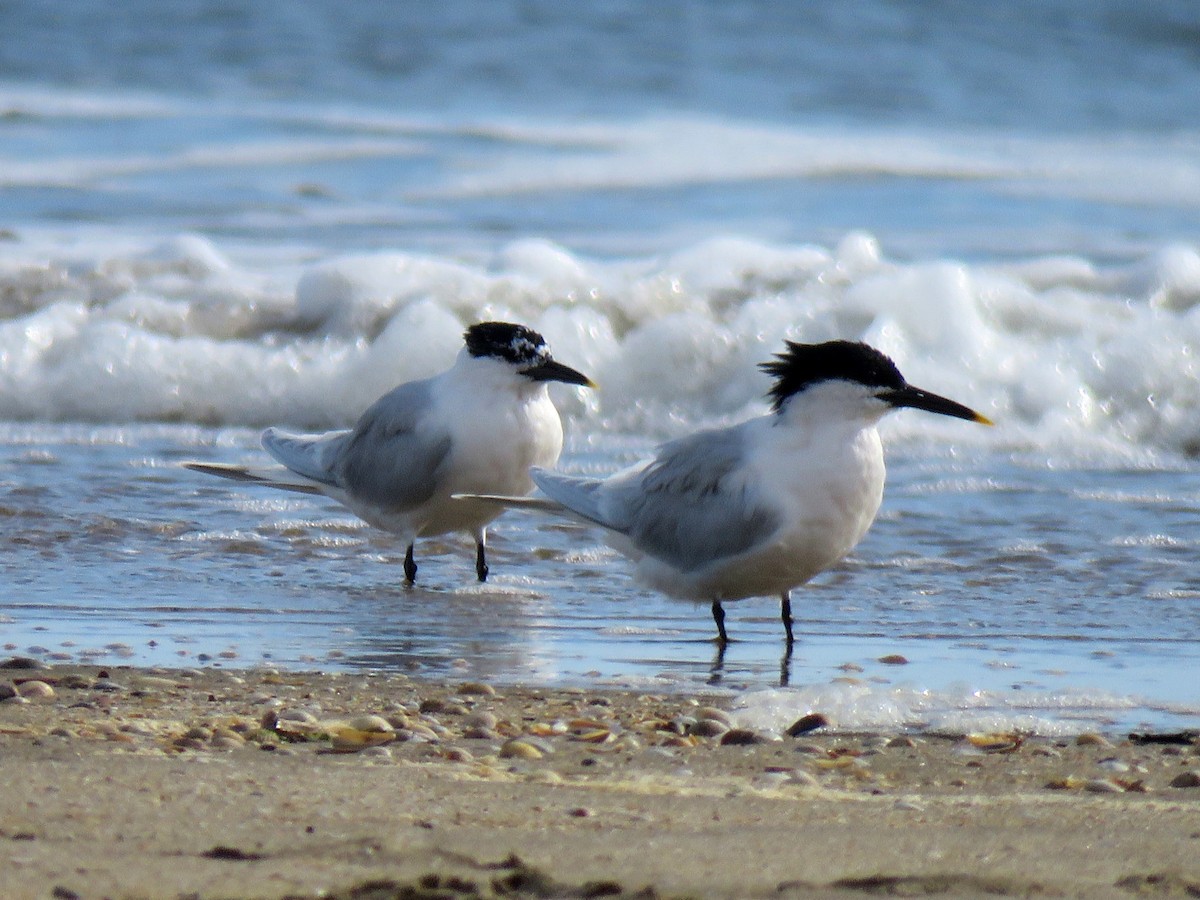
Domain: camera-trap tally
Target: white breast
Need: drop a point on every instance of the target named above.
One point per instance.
(825, 486)
(498, 431)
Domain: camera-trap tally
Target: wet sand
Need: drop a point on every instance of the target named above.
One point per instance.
(122, 783)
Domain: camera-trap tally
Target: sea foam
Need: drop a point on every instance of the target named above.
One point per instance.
(1061, 351)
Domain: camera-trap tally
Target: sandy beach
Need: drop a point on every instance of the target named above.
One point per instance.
(145, 783)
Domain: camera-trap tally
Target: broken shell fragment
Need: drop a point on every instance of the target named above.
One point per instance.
(359, 733)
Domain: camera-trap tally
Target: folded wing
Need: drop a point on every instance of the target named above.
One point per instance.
(691, 506)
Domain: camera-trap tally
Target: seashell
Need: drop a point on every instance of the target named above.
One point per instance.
(372, 723)
(741, 737)
(347, 737)
(1090, 739)
(516, 749)
(1186, 780)
(23, 662)
(996, 743)
(893, 659)
(712, 714)
(436, 727)
(586, 725)
(481, 719)
(1135, 786)
(1070, 783)
(599, 736)
(837, 752)
(1048, 752)
(806, 723)
(296, 721)
(476, 733)
(35, 690)
(417, 731)
(709, 728)
(681, 740)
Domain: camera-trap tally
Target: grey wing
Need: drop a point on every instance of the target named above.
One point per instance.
(585, 497)
(311, 456)
(690, 507)
(393, 458)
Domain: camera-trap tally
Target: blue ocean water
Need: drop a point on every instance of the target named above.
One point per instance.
(216, 216)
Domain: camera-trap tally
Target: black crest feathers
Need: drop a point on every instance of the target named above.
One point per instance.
(502, 340)
(802, 365)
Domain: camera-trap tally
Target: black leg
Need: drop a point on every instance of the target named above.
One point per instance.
(719, 617)
(410, 566)
(785, 666)
(481, 567)
(786, 613)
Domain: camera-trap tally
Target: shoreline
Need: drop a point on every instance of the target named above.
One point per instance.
(137, 782)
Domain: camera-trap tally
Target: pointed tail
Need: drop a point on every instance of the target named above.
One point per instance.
(276, 477)
(543, 504)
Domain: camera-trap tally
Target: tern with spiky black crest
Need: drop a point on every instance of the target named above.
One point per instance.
(476, 428)
(759, 508)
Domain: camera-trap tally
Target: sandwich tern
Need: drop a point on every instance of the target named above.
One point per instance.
(758, 508)
(476, 428)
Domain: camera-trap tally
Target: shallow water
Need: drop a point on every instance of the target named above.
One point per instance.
(1006, 584)
(231, 216)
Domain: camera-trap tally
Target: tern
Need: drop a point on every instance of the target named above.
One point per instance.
(476, 428)
(761, 507)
